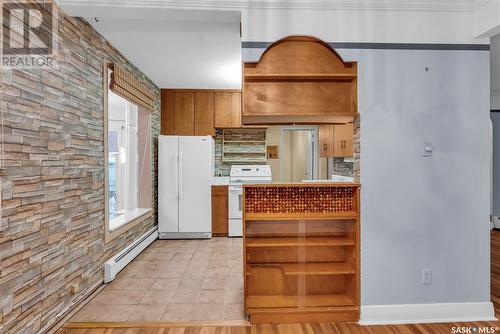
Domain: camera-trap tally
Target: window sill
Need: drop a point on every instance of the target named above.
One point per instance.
(122, 223)
(127, 217)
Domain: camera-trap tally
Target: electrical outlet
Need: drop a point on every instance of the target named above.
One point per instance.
(426, 276)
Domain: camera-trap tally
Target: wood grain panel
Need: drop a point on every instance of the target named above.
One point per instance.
(297, 98)
(184, 113)
(167, 112)
(227, 108)
(204, 114)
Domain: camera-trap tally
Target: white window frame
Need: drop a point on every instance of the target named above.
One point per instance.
(134, 217)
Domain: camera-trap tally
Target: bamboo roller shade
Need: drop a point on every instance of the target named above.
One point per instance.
(124, 84)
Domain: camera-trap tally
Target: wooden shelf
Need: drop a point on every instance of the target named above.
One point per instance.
(295, 300)
(300, 216)
(295, 241)
(309, 269)
(299, 77)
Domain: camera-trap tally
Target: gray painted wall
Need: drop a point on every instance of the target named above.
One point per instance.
(422, 212)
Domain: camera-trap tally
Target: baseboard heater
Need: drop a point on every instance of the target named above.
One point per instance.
(114, 265)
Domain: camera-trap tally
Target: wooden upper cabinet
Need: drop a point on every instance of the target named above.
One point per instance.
(184, 113)
(191, 112)
(299, 80)
(167, 112)
(336, 140)
(204, 114)
(227, 107)
(326, 140)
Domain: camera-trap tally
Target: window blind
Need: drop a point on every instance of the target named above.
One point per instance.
(124, 84)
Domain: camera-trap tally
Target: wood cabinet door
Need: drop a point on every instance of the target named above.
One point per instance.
(227, 109)
(348, 140)
(204, 114)
(338, 140)
(167, 112)
(220, 214)
(326, 141)
(184, 113)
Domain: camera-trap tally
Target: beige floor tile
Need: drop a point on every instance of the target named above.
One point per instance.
(218, 263)
(157, 297)
(117, 297)
(112, 313)
(233, 297)
(217, 272)
(223, 250)
(215, 296)
(234, 312)
(177, 312)
(189, 296)
(182, 257)
(155, 256)
(235, 281)
(212, 312)
(170, 273)
(131, 284)
(165, 284)
(214, 283)
(147, 313)
(187, 283)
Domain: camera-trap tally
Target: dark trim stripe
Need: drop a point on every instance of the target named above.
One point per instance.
(386, 46)
(495, 110)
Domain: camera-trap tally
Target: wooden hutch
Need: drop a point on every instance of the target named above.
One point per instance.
(301, 252)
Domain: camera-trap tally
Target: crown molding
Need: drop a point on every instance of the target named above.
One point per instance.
(392, 5)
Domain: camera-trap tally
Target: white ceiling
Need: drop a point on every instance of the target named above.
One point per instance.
(196, 43)
(176, 48)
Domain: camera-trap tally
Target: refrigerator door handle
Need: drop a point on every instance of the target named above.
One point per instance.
(181, 176)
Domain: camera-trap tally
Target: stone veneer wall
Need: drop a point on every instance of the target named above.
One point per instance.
(341, 167)
(357, 149)
(52, 227)
(223, 168)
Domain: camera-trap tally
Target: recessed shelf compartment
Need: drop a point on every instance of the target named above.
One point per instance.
(299, 301)
(313, 269)
(299, 241)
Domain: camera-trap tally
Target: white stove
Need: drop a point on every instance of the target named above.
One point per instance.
(243, 174)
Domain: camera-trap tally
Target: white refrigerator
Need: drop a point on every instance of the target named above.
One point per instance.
(185, 173)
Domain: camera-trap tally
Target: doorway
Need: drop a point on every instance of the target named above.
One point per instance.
(298, 159)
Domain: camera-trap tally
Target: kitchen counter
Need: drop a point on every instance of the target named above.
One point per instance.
(220, 180)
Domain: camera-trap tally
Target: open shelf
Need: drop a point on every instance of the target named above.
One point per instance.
(309, 300)
(309, 269)
(310, 241)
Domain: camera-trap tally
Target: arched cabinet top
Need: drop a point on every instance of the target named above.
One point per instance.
(299, 80)
(300, 55)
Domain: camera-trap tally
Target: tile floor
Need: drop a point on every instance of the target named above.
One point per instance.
(175, 280)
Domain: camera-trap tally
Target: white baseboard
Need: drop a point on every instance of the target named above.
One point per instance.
(426, 313)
